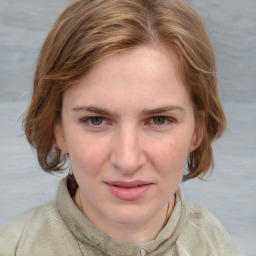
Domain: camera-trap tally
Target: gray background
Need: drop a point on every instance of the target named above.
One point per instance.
(229, 193)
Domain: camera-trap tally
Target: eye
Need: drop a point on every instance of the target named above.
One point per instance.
(97, 120)
(159, 120)
(93, 121)
(96, 123)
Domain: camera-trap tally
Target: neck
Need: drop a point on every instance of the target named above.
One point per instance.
(144, 232)
(127, 232)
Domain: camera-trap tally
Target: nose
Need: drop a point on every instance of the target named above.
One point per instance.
(127, 153)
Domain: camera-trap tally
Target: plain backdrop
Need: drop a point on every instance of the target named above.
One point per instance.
(229, 193)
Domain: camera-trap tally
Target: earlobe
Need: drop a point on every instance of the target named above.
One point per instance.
(198, 133)
(60, 138)
(196, 141)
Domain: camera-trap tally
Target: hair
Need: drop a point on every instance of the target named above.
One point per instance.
(90, 30)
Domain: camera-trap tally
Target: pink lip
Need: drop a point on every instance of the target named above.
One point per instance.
(128, 190)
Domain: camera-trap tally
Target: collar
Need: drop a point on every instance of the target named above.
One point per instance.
(89, 235)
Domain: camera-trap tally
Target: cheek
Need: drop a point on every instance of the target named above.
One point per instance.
(87, 153)
(171, 156)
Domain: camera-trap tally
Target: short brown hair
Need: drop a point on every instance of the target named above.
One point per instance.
(88, 31)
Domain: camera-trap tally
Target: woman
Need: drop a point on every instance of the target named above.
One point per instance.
(127, 92)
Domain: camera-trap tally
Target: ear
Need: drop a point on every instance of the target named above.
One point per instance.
(198, 132)
(60, 137)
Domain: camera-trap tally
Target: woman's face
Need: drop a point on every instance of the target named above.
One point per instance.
(128, 127)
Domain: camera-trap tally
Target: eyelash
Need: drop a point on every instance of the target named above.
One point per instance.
(167, 120)
(88, 121)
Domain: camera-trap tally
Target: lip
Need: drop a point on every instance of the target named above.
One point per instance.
(128, 190)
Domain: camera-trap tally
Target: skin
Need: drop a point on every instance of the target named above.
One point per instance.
(129, 119)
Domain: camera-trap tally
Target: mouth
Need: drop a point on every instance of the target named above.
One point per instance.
(128, 190)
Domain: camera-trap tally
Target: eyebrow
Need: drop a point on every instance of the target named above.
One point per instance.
(93, 109)
(146, 112)
(162, 110)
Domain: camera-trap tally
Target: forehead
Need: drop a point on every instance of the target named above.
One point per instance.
(144, 74)
(141, 60)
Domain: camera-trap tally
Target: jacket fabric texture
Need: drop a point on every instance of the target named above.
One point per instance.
(59, 228)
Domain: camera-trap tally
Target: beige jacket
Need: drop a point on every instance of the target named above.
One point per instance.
(60, 229)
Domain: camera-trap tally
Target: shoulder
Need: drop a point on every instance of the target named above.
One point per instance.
(34, 232)
(11, 233)
(200, 218)
(204, 230)
(38, 213)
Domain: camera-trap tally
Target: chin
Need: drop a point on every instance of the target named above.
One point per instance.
(129, 217)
